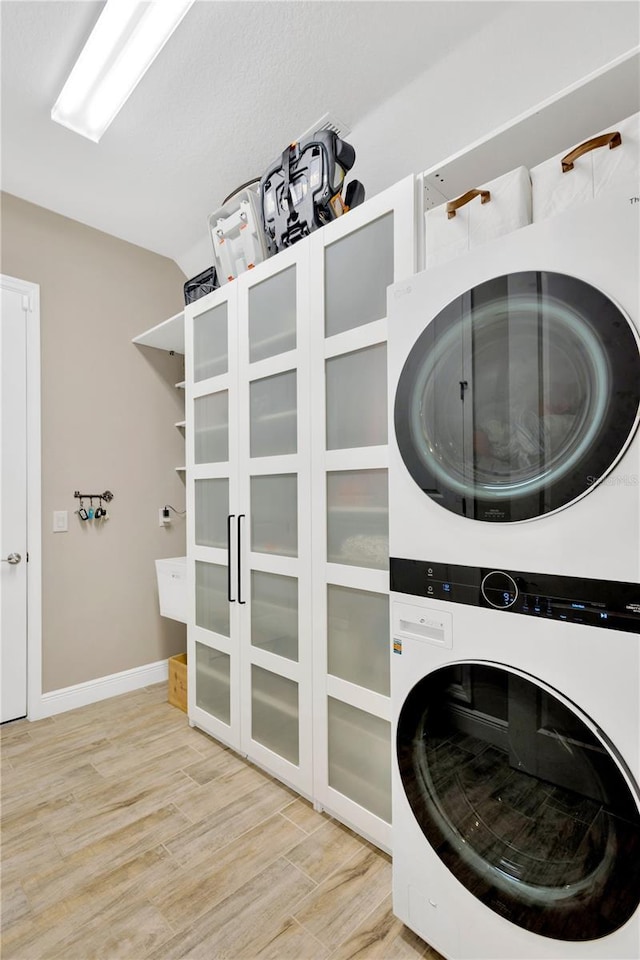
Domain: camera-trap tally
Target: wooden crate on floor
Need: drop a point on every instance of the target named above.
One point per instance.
(178, 681)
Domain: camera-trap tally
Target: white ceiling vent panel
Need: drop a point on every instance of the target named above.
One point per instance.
(327, 121)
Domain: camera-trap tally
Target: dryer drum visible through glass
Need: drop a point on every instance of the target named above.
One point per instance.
(526, 801)
(519, 396)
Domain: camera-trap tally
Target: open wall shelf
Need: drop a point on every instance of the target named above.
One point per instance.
(168, 335)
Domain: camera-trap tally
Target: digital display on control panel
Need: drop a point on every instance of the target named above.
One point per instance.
(613, 605)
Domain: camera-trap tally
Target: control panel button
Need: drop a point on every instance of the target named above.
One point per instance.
(499, 590)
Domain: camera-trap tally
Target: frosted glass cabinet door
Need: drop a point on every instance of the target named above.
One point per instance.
(358, 518)
(213, 686)
(274, 713)
(357, 398)
(360, 757)
(358, 637)
(212, 603)
(274, 613)
(273, 415)
(211, 507)
(211, 428)
(274, 514)
(272, 316)
(358, 270)
(210, 343)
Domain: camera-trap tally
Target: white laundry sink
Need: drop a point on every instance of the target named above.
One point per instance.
(172, 587)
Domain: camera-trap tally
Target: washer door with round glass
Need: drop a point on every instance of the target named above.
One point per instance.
(523, 798)
(518, 397)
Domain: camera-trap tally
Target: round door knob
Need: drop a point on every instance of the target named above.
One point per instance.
(13, 558)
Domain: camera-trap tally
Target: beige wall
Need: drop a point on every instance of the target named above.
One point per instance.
(108, 414)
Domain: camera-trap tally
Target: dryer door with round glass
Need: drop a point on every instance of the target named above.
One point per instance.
(518, 397)
(523, 798)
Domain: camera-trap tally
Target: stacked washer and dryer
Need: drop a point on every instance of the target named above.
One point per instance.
(515, 542)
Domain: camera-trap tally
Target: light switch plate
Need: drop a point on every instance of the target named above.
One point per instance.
(60, 521)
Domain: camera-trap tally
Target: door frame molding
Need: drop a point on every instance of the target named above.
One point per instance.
(35, 707)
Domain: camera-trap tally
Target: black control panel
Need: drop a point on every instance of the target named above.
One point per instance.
(609, 604)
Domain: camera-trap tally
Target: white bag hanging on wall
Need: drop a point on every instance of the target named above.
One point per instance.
(489, 211)
(581, 174)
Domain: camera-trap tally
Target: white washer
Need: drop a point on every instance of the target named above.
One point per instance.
(514, 529)
(497, 854)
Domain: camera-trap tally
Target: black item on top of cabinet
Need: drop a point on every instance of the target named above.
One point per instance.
(200, 285)
(303, 189)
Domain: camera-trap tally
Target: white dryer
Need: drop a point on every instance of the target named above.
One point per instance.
(514, 522)
(515, 373)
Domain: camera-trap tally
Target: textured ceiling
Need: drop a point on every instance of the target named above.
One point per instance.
(236, 82)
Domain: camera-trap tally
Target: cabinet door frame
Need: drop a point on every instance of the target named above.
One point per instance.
(228, 734)
(298, 776)
(401, 201)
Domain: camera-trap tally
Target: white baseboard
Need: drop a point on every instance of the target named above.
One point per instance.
(82, 694)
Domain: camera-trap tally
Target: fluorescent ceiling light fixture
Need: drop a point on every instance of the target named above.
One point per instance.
(122, 46)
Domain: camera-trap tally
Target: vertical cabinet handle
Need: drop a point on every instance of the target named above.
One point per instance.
(229, 597)
(240, 518)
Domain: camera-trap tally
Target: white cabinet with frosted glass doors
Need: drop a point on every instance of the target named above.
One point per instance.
(249, 531)
(287, 503)
(354, 260)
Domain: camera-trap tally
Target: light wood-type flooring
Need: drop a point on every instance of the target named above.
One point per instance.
(127, 834)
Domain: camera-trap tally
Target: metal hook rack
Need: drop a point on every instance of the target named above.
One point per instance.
(107, 496)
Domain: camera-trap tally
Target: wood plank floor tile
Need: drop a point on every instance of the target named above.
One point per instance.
(224, 790)
(304, 816)
(22, 856)
(205, 744)
(114, 761)
(253, 912)
(5, 763)
(47, 752)
(164, 773)
(86, 889)
(58, 781)
(55, 879)
(130, 929)
(289, 942)
(325, 850)
(14, 739)
(227, 869)
(128, 822)
(35, 934)
(17, 728)
(14, 904)
(24, 817)
(343, 901)
(209, 768)
(144, 874)
(381, 936)
(202, 839)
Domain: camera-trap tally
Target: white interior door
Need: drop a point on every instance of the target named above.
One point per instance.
(13, 503)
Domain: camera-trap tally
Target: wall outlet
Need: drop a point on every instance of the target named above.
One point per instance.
(163, 517)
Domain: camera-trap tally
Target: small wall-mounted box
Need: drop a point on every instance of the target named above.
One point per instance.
(172, 587)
